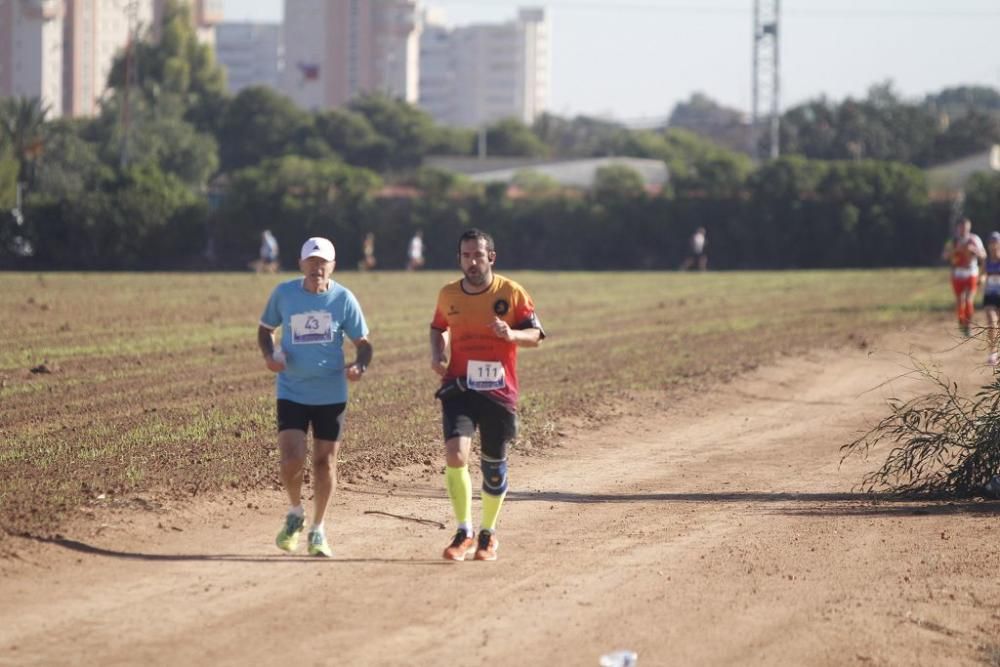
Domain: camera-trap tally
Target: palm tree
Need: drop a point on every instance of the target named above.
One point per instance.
(22, 127)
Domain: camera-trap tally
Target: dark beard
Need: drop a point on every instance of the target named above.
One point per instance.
(477, 279)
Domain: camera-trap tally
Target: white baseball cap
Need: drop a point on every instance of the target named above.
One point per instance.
(317, 246)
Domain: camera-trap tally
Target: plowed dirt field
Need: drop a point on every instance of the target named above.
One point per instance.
(718, 531)
(699, 515)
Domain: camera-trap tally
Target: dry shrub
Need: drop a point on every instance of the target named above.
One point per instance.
(943, 443)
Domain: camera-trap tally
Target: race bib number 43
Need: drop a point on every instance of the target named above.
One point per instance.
(315, 327)
(485, 375)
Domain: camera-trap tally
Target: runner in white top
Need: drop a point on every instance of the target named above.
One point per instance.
(415, 253)
(964, 251)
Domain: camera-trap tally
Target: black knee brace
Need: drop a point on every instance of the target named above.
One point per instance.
(494, 475)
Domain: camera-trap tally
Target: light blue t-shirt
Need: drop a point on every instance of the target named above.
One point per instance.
(313, 327)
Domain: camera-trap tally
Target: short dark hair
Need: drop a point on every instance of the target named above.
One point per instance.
(476, 235)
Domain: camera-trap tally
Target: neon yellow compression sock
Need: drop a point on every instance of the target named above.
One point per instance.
(491, 510)
(460, 491)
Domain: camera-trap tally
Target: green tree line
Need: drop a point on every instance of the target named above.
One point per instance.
(195, 175)
(946, 126)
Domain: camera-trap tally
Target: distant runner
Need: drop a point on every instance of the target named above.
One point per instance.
(964, 251)
(991, 297)
(415, 252)
(483, 318)
(697, 258)
(368, 261)
(268, 262)
(315, 315)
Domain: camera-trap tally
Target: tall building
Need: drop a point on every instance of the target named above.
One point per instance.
(478, 74)
(438, 67)
(31, 51)
(205, 15)
(336, 50)
(95, 32)
(62, 50)
(535, 51)
(251, 53)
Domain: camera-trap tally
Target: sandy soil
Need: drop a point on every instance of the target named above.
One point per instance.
(721, 530)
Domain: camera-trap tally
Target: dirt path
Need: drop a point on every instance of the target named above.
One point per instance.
(719, 531)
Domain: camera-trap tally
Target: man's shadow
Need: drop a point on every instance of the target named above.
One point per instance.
(801, 504)
(790, 503)
(90, 549)
(804, 504)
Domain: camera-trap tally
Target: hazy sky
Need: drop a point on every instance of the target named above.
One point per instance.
(637, 58)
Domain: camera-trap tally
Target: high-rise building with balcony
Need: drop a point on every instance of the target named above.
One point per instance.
(477, 74)
(95, 32)
(437, 67)
(62, 50)
(251, 53)
(336, 50)
(31, 51)
(205, 15)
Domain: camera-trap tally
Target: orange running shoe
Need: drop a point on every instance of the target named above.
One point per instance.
(488, 545)
(461, 545)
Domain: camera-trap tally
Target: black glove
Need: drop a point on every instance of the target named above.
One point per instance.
(450, 389)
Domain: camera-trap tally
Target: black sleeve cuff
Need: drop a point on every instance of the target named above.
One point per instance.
(531, 323)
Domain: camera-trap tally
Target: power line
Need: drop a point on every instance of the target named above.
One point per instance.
(743, 10)
(894, 14)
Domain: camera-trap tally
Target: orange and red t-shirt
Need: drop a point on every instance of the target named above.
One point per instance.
(468, 317)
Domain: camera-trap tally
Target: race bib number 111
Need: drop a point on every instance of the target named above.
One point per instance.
(485, 375)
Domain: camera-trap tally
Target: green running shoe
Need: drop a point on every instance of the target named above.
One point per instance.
(288, 538)
(318, 546)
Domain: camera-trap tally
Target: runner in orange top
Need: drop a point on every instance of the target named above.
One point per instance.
(964, 251)
(483, 318)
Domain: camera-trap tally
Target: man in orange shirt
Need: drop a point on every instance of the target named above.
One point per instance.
(481, 319)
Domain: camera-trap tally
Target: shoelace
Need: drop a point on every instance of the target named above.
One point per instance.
(460, 536)
(484, 539)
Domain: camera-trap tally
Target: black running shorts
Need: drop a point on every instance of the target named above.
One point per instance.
(326, 420)
(464, 413)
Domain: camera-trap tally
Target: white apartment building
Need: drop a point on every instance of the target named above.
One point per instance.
(95, 32)
(62, 50)
(478, 74)
(536, 49)
(336, 50)
(251, 53)
(205, 15)
(31, 51)
(437, 67)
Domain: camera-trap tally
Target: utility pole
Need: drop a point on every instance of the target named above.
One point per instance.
(766, 79)
(132, 10)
